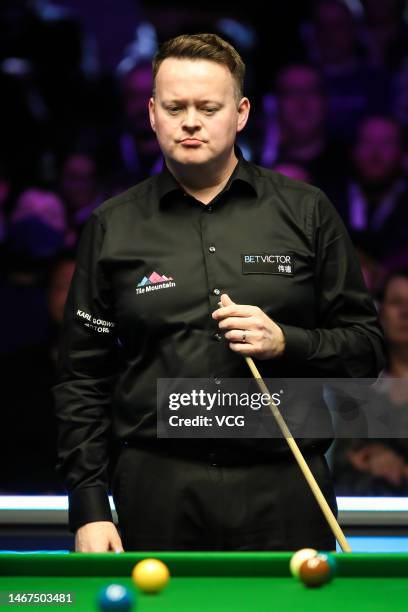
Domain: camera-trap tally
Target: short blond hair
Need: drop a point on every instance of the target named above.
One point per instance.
(203, 46)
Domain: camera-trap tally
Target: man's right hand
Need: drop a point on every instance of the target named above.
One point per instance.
(98, 536)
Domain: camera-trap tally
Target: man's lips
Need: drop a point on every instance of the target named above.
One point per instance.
(191, 141)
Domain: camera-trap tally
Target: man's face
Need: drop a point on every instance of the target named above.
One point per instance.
(377, 154)
(335, 32)
(302, 105)
(78, 180)
(194, 112)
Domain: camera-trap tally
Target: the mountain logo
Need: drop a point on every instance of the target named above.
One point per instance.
(154, 282)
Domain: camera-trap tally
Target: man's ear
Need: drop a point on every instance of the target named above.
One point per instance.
(243, 113)
(151, 114)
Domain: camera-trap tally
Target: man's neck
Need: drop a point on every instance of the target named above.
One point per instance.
(204, 182)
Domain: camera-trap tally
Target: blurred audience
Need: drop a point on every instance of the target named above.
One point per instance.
(28, 435)
(302, 128)
(129, 152)
(35, 234)
(375, 203)
(354, 88)
(73, 134)
(380, 466)
(373, 271)
(384, 32)
(80, 190)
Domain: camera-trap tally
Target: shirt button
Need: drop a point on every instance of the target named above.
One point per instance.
(217, 380)
(216, 291)
(211, 249)
(208, 208)
(218, 336)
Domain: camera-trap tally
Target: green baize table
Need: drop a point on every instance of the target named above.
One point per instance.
(211, 581)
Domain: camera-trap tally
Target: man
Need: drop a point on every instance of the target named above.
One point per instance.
(379, 466)
(304, 139)
(131, 153)
(374, 205)
(354, 89)
(192, 234)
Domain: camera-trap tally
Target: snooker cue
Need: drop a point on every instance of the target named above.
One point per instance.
(321, 500)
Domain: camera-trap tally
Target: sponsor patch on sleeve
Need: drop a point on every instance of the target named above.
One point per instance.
(101, 326)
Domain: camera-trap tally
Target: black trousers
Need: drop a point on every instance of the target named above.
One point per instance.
(219, 501)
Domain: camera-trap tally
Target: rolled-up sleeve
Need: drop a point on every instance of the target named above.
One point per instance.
(86, 373)
(347, 340)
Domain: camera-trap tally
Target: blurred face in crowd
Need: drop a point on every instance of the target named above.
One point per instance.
(195, 112)
(394, 311)
(137, 89)
(302, 104)
(377, 154)
(78, 181)
(335, 32)
(37, 226)
(58, 288)
(42, 205)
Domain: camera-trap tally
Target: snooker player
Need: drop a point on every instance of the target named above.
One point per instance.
(238, 261)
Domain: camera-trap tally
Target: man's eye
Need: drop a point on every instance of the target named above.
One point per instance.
(173, 109)
(210, 111)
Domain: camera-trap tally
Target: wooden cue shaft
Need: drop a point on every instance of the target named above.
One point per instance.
(321, 500)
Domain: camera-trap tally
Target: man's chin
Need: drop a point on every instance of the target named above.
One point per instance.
(191, 158)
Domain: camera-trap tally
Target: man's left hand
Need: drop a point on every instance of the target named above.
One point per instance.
(249, 330)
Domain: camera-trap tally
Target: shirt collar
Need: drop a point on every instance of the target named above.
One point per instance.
(243, 175)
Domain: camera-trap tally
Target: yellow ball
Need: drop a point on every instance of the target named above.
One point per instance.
(150, 575)
(298, 558)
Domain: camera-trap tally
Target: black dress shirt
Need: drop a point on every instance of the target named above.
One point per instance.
(151, 266)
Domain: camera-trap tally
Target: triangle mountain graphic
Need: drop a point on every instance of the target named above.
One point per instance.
(153, 279)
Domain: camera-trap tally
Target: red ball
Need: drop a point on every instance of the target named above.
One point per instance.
(315, 571)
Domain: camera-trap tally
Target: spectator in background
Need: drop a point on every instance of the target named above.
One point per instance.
(354, 88)
(373, 271)
(34, 236)
(394, 319)
(384, 32)
(139, 148)
(380, 466)
(131, 152)
(28, 434)
(374, 207)
(302, 123)
(80, 190)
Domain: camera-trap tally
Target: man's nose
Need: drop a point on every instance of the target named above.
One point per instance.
(191, 119)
